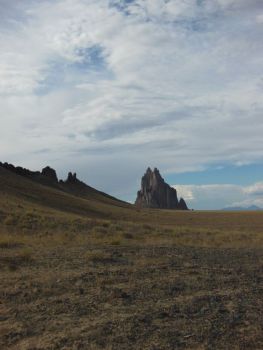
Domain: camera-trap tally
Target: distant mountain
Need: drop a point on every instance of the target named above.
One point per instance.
(156, 193)
(250, 208)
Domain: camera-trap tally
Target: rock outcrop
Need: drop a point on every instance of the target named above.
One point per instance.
(72, 178)
(50, 174)
(47, 176)
(182, 205)
(156, 193)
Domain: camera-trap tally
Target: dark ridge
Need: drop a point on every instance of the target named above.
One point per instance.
(48, 177)
(73, 185)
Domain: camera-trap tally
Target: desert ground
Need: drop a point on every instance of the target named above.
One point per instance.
(87, 273)
(161, 280)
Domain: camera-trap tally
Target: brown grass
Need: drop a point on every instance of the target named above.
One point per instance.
(84, 274)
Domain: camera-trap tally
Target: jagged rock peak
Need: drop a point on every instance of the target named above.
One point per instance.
(182, 205)
(72, 177)
(156, 193)
(50, 173)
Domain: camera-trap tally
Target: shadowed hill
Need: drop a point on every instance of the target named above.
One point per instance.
(34, 188)
(78, 188)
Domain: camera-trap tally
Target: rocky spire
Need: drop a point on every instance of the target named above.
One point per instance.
(72, 178)
(182, 205)
(156, 193)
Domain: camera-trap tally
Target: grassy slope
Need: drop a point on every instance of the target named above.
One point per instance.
(18, 192)
(26, 205)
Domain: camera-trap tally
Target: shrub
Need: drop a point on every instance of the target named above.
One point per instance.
(25, 255)
(105, 224)
(115, 242)
(8, 242)
(10, 220)
(128, 235)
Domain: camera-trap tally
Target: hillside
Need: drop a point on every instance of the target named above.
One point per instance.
(70, 196)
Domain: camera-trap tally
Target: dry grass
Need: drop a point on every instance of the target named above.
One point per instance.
(84, 274)
(168, 289)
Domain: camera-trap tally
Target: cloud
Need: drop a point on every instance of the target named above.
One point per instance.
(219, 196)
(172, 83)
(255, 189)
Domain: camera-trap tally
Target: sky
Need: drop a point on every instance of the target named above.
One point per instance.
(107, 88)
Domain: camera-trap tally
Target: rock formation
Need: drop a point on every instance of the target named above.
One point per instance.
(182, 205)
(156, 193)
(50, 174)
(72, 178)
(46, 176)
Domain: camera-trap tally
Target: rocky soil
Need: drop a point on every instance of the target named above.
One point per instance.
(131, 297)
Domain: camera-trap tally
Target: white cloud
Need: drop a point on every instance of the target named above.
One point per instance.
(260, 18)
(219, 196)
(255, 189)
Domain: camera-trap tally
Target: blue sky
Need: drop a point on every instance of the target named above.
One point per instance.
(107, 88)
(239, 175)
